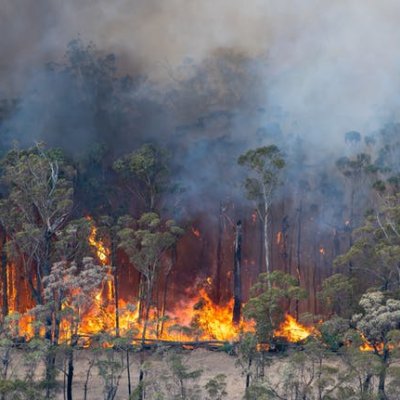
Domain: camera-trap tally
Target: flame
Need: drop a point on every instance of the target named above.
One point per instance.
(196, 232)
(367, 346)
(293, 331)
(322, 251)
(102, 252)
(196, 318)
(279, 238)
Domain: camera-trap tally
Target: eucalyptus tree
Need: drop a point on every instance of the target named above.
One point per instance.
(37, 206)
(264, 165)
(145, 241)
(145, 173)
(379, 322)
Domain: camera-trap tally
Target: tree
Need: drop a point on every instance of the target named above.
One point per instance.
(181, 375)
(354, 170)
(216, 387)
(145, 241)
(267, 301)
(38, 205)
(337, 295)
(146, 174)
(376, 248)
(264, 165)
(379, 323)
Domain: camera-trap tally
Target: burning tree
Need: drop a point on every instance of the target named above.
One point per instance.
(379, 324)
(145, 241)
(268, 296)
(265, 165)
(36, 208)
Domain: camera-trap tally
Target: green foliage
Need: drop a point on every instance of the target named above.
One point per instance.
(266, 163)
(379, 319)
(333, 332)
(352, 168)
(111, 367)
(146, 239)
(146, 173)
(266, 305)
(258, 392)
(182, 376)
(337, 295)
(36, 209)
(376, 250)
(216, 387)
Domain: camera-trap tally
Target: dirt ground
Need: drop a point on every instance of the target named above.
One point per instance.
(212, 363)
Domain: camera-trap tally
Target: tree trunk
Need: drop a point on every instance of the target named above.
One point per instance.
(116, 284)
(366, 384)
(50, 375)
(298, 251)
(237, 286)
(128, 370)
(141, 297)
(248, 374)
(261, 244)
(86, 385)
(70, 373)
(266, 241)
(4, 276)
(174, 257)
(382, 375)
(218, 272)
(143, 339)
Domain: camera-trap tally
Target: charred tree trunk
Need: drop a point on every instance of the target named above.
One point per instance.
(174, 257)
(128, 370)
(237, 284)
(141, 297)
(4, 275)
(116, 286)
(70, 372)
(218, 272)
(298, 251)
(261, 253)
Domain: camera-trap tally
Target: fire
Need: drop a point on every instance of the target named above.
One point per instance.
(102, 252)
(322, 251)
(279, 238)
(254, 217)
(293, 331)
(197, 318)
(196, 232)
(367, 346)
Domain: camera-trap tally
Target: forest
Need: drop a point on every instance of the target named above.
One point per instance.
(155, 232)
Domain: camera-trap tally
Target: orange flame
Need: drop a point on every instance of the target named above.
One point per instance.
(293, 331)
(322, 250)
(197, 318)
(196, 232)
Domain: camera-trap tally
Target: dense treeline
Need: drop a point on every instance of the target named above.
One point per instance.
(139, 167)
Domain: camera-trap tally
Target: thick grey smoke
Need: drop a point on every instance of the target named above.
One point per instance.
(332, 66)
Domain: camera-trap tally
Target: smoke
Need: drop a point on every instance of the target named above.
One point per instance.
(331, 66)
(221, 76)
